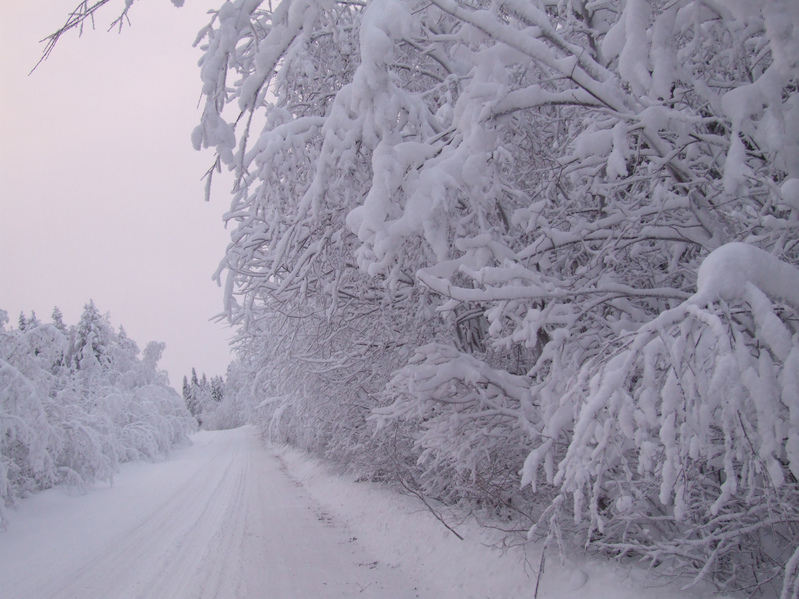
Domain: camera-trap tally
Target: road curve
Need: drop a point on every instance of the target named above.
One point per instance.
(218, 519)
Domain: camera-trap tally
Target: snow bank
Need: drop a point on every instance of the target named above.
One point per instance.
(401, 532)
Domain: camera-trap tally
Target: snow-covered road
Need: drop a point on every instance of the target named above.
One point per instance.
(229, 518)
(217, 519)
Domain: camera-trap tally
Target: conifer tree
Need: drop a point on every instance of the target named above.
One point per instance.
(217, 388)
(58, 320)
(186, 390)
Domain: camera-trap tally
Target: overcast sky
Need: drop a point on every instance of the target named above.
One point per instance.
(100, 190)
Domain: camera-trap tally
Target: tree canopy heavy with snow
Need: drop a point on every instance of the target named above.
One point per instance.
(76, 401)
(506, 204)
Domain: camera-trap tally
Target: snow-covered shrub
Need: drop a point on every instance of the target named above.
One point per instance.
(683, 441)
(25, 435)
(474, 424)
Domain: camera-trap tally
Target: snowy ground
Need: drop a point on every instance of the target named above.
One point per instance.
(400, 531)
(229, 518)
(218, 519)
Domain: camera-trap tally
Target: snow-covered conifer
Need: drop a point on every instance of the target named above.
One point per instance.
(58, 320)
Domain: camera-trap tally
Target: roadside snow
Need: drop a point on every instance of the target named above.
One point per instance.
(227, 518)
(218, 519)
(400, 532)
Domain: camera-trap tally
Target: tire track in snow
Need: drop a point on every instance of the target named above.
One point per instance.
(217, 520)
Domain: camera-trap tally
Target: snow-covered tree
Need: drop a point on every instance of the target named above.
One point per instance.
(186, 391)
(58, 320)
(92, 339)
(217, 388)
(71, 421)
(505, 191)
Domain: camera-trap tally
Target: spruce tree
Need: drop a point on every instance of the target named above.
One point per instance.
(58, 320)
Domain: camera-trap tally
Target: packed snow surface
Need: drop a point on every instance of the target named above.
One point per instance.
(218, 519)
(229, 518)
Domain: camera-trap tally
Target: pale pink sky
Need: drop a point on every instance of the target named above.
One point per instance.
(100, 191)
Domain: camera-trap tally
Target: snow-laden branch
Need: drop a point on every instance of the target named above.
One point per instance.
(708, 401)
(728, 272)
(533, 292)
(568, 66)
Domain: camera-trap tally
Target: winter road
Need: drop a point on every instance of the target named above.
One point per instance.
(217, 519)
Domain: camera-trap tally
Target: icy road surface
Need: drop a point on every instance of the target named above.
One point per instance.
(217, 519)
